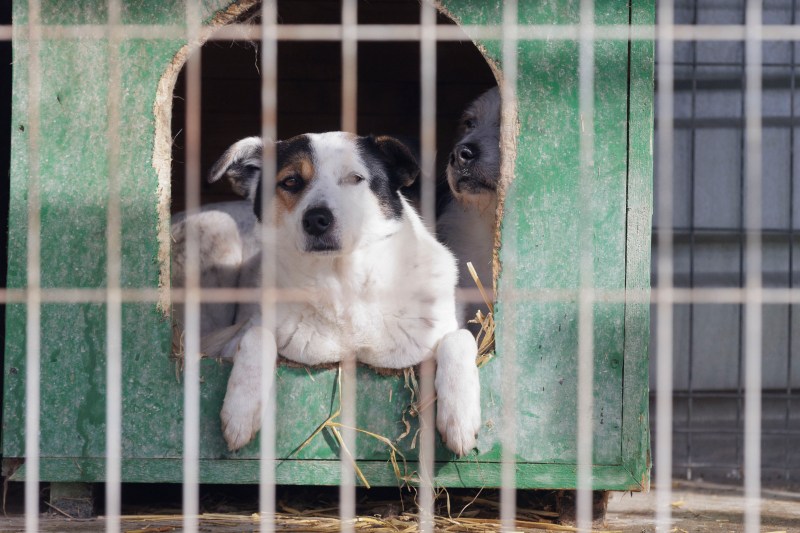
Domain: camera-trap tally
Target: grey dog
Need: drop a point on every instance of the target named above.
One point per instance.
(467, 223)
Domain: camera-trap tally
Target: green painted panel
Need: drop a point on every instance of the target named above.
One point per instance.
(540, 237)
(636, 435)
(71, 12)
(298, 472)
(146, 12)
(68, 12)
(73, 164)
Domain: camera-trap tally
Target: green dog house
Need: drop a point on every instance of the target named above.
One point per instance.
(540, 235)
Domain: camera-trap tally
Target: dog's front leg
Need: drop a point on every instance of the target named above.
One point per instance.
(458, 404)
(241, 411)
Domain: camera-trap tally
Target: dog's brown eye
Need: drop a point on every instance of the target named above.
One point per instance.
(291, 183)
(351, 179)
(469, 123)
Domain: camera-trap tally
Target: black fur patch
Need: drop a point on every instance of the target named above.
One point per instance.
(392, 166)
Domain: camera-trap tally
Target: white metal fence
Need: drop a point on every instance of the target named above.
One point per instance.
(754, 34)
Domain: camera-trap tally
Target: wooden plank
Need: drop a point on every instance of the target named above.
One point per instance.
(635, 425)
(299, 472)
(73, 177)
(541, 234)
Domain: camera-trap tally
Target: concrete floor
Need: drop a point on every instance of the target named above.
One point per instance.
(695, 508)
(698, 507)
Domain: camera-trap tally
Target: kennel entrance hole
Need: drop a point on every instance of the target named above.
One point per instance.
(309, 87)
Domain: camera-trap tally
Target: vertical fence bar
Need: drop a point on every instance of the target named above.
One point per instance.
(428, 112)
(33, 298)
(349, 65)
(427, 50)
(113, 292)
(508, 93)
(347, 487)
(740, 374)
(790, 311)
(269, 66)
(664, 305)
(692, 247)
(191, 375)
(753, 287)
(586, 295)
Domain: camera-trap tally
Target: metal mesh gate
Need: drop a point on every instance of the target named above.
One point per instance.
(726, 323)
(709, 229)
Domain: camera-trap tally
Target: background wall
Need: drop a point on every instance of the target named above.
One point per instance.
(709, 247)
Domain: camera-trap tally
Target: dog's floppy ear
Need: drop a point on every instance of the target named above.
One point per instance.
(241, 164)
(401, 165)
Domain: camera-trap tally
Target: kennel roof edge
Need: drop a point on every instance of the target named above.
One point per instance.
(539, 235)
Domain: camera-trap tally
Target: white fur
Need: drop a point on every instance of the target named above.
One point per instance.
(359, 219)
(386, 296)
(241, 409)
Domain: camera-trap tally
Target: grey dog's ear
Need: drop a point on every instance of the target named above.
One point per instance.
(241, 164)
(401, 163)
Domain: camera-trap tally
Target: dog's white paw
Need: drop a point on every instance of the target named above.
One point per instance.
(459, 424)
(458, 404)
(241, 417)
(241, 410)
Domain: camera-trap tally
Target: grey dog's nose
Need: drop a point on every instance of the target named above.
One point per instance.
(317, 220)
(465, 154)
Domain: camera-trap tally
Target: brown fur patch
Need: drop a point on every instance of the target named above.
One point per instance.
(300, 165)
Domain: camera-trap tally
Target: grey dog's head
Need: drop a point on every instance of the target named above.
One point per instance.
(474, 164)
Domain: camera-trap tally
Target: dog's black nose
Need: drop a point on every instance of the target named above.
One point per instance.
(317, 220)
(465, 153)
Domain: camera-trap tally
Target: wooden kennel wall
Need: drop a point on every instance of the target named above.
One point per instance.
(540, 250)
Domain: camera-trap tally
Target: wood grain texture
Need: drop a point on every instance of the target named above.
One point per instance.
(635, 399)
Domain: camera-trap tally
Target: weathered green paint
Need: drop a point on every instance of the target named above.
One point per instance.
(327, 472)
(635, 399)
(540, 250)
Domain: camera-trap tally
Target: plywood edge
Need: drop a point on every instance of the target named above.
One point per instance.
(315, 472)
(636, 424)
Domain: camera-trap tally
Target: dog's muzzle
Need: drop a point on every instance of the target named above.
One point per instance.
(466, 171)
(318, 225)
(464, 155)
(317, 221)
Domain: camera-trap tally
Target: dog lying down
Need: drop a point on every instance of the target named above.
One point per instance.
(376, 283)
(467, 223)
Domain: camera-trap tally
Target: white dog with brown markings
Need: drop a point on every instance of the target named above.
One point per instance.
(376, 283)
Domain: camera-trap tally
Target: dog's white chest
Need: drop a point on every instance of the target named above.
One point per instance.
(314, 334)
(379, 326)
